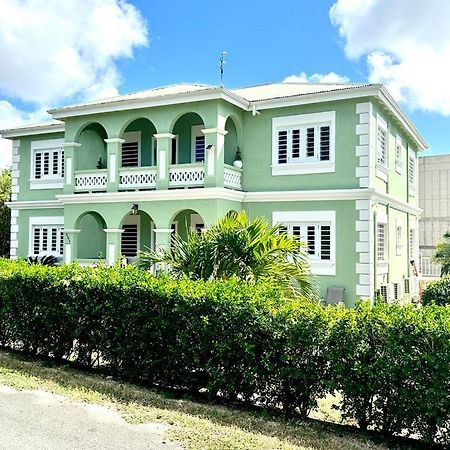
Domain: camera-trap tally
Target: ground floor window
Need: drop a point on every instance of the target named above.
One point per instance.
(46, 236)
(317, 229)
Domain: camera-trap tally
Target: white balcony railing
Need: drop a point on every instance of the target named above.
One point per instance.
(427, 268)
(137, 178)
(93, 180)
(232, 177)
(187, 175)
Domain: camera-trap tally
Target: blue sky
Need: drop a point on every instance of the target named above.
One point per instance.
(124, 46)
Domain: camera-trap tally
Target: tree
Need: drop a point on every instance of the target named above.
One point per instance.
(442, 254)
(5, 212)
(237, 247)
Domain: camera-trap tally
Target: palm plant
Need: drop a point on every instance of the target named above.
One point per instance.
(236, 247)
(442, 254)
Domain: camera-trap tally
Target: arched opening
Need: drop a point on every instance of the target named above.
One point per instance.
(185, 220)
(139, 148)
(92, 152)
(91, 243)
(137, 235)
(231, 142)
(188, 145)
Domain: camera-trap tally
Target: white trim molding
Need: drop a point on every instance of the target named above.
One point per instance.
(364, 248)
(318, 267)
(35, 204)
(15, 172)
(363, 133)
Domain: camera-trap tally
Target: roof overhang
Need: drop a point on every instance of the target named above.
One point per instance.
(31, 130)
(125, 103)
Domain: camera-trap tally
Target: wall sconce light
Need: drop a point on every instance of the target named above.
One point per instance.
(210, 148)
(134, 209)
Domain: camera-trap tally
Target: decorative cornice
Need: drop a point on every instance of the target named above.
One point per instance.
(114, 141)
(214, 130)
(113, 230)
(35, 204)
(72, 230)
(163, 230)
(71, 144)
(163, 136)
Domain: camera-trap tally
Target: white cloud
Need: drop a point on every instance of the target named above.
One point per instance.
(54, 50)
(316, 78)
(406, 45)
(10, 116)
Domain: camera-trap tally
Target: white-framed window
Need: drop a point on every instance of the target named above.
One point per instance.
(382, 148)
(381, 242)
(46, 236)
(317, 229)
(197, 144)
(130, 237)
(47, 167)
(131, 149)
(399, 151)
(399, 237)
(303, 143)
(412, 173)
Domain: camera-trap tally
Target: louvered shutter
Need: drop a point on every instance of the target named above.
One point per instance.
(129, 245)
(46, 156)
(36, 241)
(199, 150)
(282, 146)
(130, 154)
(38, 165)
(295, 143)
(325, 242)
(325, 143)
(311, 239)
(310, 142)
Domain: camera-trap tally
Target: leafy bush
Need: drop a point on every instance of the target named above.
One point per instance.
(437, 292)
(244, 342)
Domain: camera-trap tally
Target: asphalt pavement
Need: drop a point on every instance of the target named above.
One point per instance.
(40, 420)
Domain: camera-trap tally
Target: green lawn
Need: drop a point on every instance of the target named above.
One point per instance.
(197, 425)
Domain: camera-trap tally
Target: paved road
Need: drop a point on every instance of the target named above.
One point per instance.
(39, 420)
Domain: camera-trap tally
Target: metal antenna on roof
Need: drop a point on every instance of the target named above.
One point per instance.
(222, 63)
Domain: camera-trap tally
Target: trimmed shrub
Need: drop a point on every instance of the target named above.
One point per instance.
(391, 364)
(437, 292)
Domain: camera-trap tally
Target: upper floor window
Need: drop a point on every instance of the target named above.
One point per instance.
(382, 148)
(317, 230)
(303, 144)
(381, 242)
(399, 155)
(412, 173)
(198, 143)
(47, 164)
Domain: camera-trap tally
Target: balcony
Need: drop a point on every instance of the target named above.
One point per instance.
(191, 155)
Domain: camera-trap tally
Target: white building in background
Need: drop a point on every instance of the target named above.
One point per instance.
(434, 200)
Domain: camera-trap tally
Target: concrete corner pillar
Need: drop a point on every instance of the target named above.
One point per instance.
(214, 156)
(70, 245)
(114, 155)
(70, 159)
(113, 238)
(163, 151)
(162, 238)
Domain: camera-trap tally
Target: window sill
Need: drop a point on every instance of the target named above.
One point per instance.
(382, 172)
(47, 183)
(303, 168)
(382, 267)
(323, 267)
(398, 168)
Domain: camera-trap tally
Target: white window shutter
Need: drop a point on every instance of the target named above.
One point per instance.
(282, 146)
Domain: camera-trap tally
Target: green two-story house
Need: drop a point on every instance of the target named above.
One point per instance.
(334, 164)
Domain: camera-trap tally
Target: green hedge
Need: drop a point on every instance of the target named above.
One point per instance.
(390, 363)
(437, 292)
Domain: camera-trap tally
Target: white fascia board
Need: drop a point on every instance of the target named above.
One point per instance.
(130, 104)
(316, 97)
(35, 204)
(395, 109)
(32, 130)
